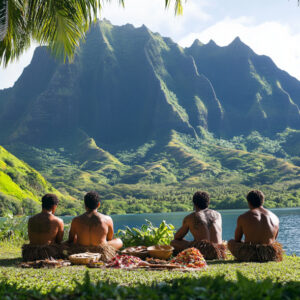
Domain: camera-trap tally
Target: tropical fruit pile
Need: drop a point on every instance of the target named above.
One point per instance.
(190, 258)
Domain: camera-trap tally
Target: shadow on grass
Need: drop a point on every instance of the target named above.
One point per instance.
(223, 262)
(206, 287)
(9, 262)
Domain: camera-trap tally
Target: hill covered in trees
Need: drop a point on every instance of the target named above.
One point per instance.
(146, 122)
(21, 187)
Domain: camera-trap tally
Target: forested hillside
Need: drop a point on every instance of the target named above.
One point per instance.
(146, 122)
(21, 187)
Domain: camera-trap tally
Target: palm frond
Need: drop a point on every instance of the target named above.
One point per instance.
(60, 24)
(3, 18)
(178, 8)
(17, 37)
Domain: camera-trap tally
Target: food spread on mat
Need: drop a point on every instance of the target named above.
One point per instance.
(191, 258)
(135, 249)
(156, 261)
(188, 260)
(124, 261)
(46, 263)
(139, 251)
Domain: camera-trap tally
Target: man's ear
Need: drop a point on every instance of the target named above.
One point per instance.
(98, 205)
(54, 207)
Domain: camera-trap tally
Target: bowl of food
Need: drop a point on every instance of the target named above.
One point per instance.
(84, 258)
(138, 251)
(160, 251)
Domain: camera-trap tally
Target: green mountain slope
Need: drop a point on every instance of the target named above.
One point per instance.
(21, 187)
(161, 176)
(254, 93)
(146, 122)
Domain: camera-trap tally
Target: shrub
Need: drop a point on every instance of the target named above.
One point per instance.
(148, 235)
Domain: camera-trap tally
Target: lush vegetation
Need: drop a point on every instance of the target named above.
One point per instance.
(21, 187)
(154, 136)
(162, 178)
(226, 279)
(147, 235)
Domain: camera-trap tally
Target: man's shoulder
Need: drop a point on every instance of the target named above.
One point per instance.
(271, 215)
(189, 216)
(106, 217)
(246, 216)
(34, 217)
(77, 218)
(58, 219)
(214, 213)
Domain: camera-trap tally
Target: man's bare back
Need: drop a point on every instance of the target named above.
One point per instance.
(204, 225)
(45, 229)
(260, 228)
(259, 225)
(91, 229)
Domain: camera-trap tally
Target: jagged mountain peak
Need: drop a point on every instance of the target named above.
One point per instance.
(128, 86)
(196, 44)
(212, 43)
(238, 45)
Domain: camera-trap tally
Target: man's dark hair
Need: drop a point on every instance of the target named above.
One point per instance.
(201, 199)
(49, 200)
(256, 198)
(91, 200)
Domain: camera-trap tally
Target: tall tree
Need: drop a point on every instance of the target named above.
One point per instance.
(60, 24)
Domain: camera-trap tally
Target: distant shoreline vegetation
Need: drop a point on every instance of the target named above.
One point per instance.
(155, 177)
(220, 119)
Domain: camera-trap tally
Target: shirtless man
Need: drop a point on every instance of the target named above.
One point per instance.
(260, 228)
(93, 228)
(45, 232)
(206, 227)
(45, 228)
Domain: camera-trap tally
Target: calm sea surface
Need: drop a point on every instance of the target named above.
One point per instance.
(289, 233)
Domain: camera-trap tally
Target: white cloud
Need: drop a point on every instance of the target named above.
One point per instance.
(274, 39)
(12, 72)
(152, 14)
(269, 38)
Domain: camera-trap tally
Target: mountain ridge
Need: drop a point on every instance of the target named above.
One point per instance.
(135, 116)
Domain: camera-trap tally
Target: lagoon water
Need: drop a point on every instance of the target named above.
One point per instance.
(289, 233)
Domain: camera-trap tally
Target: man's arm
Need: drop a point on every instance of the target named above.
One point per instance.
(239, 230)
(182, 231)
(110, 233)
(72, 233)
(60, 233)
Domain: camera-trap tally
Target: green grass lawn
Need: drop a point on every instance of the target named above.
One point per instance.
(219, 281)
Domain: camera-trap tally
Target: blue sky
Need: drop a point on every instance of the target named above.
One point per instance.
(269, 27)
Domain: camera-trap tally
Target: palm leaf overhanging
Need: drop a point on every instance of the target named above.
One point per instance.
(60, 24)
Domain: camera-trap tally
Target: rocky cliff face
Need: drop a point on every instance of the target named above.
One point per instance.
(128, 85)
(254, 93)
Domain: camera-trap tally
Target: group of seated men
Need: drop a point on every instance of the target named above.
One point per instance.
(93, 231)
